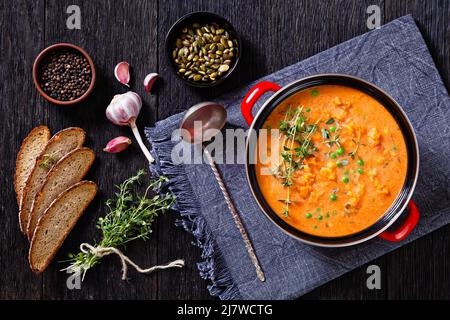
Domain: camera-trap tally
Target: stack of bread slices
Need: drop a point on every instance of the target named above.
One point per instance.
(50, 192)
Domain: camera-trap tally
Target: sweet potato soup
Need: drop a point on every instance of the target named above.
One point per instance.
(338, 163)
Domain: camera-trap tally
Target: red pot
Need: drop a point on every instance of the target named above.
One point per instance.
(403, 205)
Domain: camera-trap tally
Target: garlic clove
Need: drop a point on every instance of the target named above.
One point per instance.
(117, 144)
(149, 80)
(122, 73)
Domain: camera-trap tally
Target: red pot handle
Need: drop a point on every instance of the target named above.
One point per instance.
(408, 225)
(253, 95)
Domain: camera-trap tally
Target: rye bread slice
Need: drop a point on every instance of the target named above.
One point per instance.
(59, 145)
(57, 222)
(68, 171)
(30, 149)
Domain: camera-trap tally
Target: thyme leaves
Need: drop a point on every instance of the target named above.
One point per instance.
(297, 145)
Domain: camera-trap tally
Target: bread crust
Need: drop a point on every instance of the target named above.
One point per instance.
(37, 130)
(23, 216)
(54, 171)
(46, 216)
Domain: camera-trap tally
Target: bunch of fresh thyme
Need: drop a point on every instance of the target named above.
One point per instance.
(129, 218)
(296, 147)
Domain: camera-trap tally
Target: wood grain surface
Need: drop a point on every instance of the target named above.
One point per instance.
(275, 34)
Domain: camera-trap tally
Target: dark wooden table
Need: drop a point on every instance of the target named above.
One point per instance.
(275, 34)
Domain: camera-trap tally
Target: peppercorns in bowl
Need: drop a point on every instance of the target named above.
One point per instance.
(203, 48)
(64, 74)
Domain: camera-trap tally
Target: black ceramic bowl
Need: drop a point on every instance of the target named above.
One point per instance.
(201, 17)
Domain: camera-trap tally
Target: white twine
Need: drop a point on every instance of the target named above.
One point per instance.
(104, 251)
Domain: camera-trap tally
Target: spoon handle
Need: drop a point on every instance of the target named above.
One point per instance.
(237, 219)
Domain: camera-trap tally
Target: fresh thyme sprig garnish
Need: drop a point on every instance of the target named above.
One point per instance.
(47, 161)
(296, 147)
(330, 140)
(352, 154)
(129, 218)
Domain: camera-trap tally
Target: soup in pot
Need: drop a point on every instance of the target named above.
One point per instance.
(335, 160)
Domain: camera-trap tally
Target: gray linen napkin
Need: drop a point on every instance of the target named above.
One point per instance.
(393, 57)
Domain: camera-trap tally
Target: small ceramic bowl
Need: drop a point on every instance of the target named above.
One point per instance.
(201, 17)
(41, 57)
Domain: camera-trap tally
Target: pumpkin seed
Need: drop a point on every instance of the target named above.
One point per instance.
(197, 77)
(224, 42)
(224, 68)
(220, 31)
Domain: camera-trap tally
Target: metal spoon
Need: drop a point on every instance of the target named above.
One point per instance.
(214, 116)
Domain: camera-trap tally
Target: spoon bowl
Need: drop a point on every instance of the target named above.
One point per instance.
(203, 121)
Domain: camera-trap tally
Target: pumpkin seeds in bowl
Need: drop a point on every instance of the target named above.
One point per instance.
(204, 52)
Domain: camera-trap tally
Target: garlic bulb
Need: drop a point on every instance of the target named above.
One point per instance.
(123, 110)
(124, 107)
